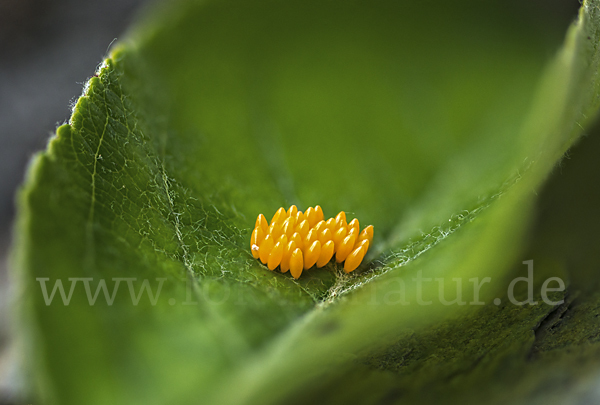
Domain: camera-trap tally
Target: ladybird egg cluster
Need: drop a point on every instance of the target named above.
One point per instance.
(296, 241)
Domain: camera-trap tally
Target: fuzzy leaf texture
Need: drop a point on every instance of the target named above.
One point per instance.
(434, 122)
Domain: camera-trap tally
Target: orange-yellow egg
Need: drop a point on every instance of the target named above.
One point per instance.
(354, 259)
(325, 236)
(365, 243)
(255, 249)
(310, 238)
(340, 219)
(326, 254)
(279, 214)
(275, 256)
(265, 248)
(287, 255)
(319, 212)
(311, 255)
(367, 233)
(331, 224)
(289, 225)
(345, 248)
(311, 216)
(299, 217)
(296, 263)
(276, 228)
(339, 236)
(352, 231)
(292, 211)
(320, 226)
(354, 225)
(261, 222)
(258, 235)
(298, 239)
(302, 228)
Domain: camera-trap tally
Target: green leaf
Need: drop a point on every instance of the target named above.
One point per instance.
(506, 354)
(429, 122)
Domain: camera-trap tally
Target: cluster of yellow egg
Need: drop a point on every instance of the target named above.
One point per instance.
(296, 241)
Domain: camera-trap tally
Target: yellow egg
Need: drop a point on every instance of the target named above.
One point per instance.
(296, 263)
(367, 233)
(340, 219)
(310, 238)
(352, 231)
(326, 254)
(298, 239)
(265, 248)
(287, 255)
(275, 256)
(330, 223)
(261, 222)
(279, 214)
(319, 212)
(320, 226)
(292, 211)
(364, 243)
(258, 235)
(311, 255)
(302, 228)
(289, 226)
(326, 236)
(276, 229)
(354, 225)
(354, 259)
(299, 217)
(345, 248)
(339, 236)
(311, 216)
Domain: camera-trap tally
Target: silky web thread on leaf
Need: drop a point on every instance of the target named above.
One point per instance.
(295, 241)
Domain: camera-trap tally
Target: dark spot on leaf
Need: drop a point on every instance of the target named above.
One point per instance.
(392, 396)
(329, 327)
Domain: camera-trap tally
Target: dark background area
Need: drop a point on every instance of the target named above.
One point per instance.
(48, 50)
